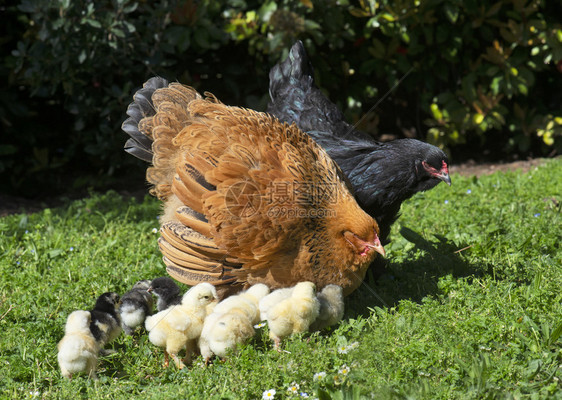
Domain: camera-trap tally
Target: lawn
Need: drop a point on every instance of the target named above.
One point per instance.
(470, 305)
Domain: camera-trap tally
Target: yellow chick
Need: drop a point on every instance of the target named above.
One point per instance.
(294, 314)
(331, 307)
(236, 313)
(78, 349)
(179, 326)
(247, 300)
(223, 332)
(271, 299)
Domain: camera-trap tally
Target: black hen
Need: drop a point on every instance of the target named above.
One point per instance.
(382, 175)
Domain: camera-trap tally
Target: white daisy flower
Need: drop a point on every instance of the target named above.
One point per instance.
(343, 349)
(319, 376)
(293, 388)
(344, 370)
(268, 394)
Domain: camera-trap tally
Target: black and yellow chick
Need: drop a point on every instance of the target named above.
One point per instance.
(135, 306)
(105, 324)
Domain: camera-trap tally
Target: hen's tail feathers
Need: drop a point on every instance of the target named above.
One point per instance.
(156, 116)
(190, 254)
(140, 143)
(294, 73)
(192, 258)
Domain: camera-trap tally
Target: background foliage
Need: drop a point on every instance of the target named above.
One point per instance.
(481, 78)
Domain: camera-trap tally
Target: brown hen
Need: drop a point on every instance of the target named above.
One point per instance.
(247, 199)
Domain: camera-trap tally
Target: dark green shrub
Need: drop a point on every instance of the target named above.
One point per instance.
(476, 75)
(75, 66)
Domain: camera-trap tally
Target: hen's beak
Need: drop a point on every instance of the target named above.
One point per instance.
(377, 246)
(362, 246)
(444, 176)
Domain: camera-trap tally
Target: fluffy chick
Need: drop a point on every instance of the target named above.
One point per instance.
(331, 307)
(135, 306)
(179, 326)
(294, 314)
(167, 292)
(78, 349)
(231, 322)
(105, 323)
(272, 299)
(247, 301)
(223, 332)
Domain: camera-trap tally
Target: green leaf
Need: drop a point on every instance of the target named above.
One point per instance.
(359, 12)
(495, 84)
(92, 22)
(54, 253)
(130, 8)
(452, 12)
(388, 17)
(118, 32)
(7, 149)
(555, 334)
(437, 114)
(82, 56)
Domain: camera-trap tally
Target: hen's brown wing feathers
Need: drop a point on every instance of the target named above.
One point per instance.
(222, 172)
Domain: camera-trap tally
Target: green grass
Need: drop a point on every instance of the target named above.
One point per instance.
(470, 305)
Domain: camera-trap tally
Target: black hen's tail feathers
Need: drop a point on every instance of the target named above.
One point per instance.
(291, 79)
(296, 98)
(139, 144)
(296, 68)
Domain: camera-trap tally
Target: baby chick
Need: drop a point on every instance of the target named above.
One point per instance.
(271, 299)
(167, 292)
(248, 301)
(331, 307)
(105, 324)
(231, 322)
(179, 326)
(78, 349)
(223, 332)
(135, 306)
(294, 314)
